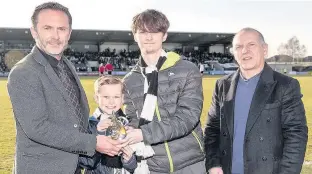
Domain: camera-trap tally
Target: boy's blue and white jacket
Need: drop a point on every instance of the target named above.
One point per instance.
(101, 163)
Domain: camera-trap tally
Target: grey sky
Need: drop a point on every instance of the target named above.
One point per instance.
(277, 20)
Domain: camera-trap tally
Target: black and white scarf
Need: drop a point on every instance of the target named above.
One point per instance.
(150, 74)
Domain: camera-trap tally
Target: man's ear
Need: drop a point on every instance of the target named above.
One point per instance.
(135, 37)
(265, 50)
(165, 37)
(34, 33)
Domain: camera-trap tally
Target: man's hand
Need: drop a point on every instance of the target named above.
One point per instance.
(108, 146)
(133, 136)
(216, 170)
(104, 124)
(129, 128)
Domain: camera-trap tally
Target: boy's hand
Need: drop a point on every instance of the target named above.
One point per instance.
(127, 153)
(104, 124)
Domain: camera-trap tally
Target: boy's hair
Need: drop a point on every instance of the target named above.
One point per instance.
(107, 80)
(150, 20)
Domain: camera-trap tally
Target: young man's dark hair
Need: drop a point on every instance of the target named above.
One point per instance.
(151, 21)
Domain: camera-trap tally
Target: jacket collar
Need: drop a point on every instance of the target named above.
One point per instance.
(263, 91)
(172, 59)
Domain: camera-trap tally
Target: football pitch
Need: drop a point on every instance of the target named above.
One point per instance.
(7, 125)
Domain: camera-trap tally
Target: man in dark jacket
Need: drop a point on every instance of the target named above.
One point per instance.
(257, 122)
(164, 98)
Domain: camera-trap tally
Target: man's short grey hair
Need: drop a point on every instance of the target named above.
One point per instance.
(247, 29)
(50, 6)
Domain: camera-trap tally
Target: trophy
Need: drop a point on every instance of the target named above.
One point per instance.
(117, 130)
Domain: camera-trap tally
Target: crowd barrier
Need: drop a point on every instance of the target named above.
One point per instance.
(5, 74)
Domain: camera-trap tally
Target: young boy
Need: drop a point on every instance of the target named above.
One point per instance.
(109, 97)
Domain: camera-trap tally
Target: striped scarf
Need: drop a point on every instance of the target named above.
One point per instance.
(150, 74)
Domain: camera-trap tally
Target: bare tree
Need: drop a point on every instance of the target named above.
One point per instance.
(293, 48)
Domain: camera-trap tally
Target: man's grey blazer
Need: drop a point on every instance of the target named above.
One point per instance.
(48, 140)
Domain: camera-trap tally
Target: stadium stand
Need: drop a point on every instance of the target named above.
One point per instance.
(3, 67)
(89, 48)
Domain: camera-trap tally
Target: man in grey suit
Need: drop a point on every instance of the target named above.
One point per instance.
(49, 104)
(257, 122)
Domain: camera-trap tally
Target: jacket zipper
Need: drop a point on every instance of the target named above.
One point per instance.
(166, 144)
(198, 141)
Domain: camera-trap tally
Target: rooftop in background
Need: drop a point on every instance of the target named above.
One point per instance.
(99, 36)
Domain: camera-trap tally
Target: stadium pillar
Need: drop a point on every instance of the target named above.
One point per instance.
(98, 46)
(183, 48)
(4, 45)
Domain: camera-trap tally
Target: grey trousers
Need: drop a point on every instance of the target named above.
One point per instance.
(197, 168)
